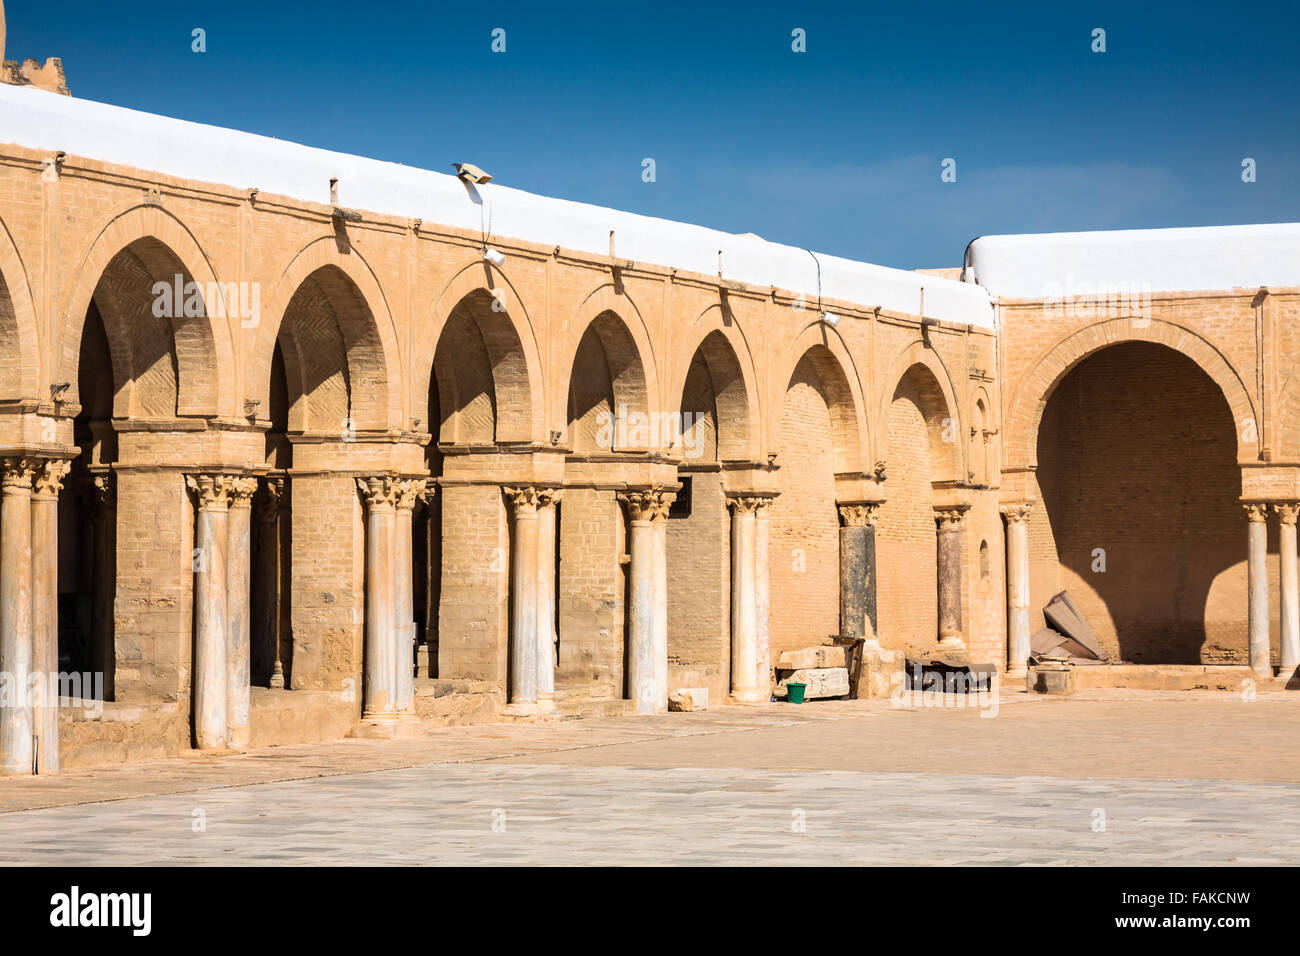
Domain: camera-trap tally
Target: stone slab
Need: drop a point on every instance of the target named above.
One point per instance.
(820, 682)
(825, 655)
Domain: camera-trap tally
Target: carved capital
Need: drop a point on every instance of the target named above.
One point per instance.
(16, 474)
(266, 507)
(647, 505)
(549, 497)
(242, 491)
(211, 491)
(1017, 513)
(48, 480)
(379, 491)
(747, 504)
(408, 491)
(524, 501)
(949, 519)
(862, 515)
(1256, 511)
(1287, 511)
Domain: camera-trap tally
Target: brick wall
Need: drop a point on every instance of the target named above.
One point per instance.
(699, 591)
(591, 588)
(473, 617)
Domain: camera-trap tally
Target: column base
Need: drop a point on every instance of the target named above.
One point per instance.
(545, 705)
(749, 695)
(522, 708)
(952, 642)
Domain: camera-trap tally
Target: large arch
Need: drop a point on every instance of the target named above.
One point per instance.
(607, 378)
(718, 340)
(1026, 405)
(942, 412)
(319, 288)
(146, 244)
(823, 349)
(1139, 514)
(502, 327)
(20, 347)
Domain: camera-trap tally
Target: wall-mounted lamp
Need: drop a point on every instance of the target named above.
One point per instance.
(498, 259)
(471, 173)
(831, 319)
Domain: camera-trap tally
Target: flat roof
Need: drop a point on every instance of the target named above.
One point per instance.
(1138, 260)
(211, 154)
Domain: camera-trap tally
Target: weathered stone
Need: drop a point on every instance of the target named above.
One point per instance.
(827, 655)
(688, 699)
(818, 682)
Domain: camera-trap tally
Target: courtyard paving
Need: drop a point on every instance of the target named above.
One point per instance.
(1108, 778)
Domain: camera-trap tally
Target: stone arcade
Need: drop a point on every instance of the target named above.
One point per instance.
(401, 493)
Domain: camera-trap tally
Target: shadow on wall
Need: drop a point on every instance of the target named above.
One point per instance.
(1140, 497)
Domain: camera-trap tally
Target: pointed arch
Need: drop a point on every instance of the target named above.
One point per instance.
(718, 340)
(920, 371)
(21, 354)
(823, 349)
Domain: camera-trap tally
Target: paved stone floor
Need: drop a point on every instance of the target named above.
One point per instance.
(1113, 778)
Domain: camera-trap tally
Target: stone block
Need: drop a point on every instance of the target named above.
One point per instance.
(810, 658)
(1051, 679)
(819, 682)
(687, 699)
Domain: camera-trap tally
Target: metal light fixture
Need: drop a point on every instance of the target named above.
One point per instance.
(471, 173)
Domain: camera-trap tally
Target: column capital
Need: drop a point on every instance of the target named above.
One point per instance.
(745, 503)
(1287, 511)
(524, 500)
(1017, 512)
(101, 495)
(549, 497)
(1256, 511)
(408, 490)
(647, 504)
(950, 518)
(267, 507)
(241, 492)
(16, 474)
(212, 491)
(48, 479)
(862, 514)
(379, 491)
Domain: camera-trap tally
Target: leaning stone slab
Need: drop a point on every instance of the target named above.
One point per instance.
(819, 681)
(826, 655)
(688, 699)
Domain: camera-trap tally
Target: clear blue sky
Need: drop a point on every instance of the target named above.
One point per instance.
(838, 148)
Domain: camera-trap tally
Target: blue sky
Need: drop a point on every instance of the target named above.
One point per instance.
(838, 148)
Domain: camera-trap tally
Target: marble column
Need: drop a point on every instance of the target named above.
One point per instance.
(433, 570)
(547, 499)
(1017, 519)
(16, 640)
(949, 559)
(524, 639)
(46, 485)
(239, 585)
(379, 697)
(858, 571)
(1257, 575)
(647, 615)
(210, 582)
(744, 599)
(763, 596)
(404, 593)
(103, 642)
(1289, 588)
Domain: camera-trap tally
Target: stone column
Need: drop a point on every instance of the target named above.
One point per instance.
(949, 553)
(744, 599)
(270, 569)
(210, 660)
(1257, 574)
(547, 499)
(104, 586)
(1288, 588)
(647, 614)
(239, 584)
(763, 596)
(433, 569)
(379, 698)
(858, 571)
(1017, 519)
(47, 484)
(16, 640)
(524, 639)
(404, 593)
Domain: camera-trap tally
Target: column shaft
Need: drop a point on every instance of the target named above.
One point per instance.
(239, 584)
(647, 614)
(546, 541)
(1017, 518)
(210, 660)
(1289, 590)
(744, 600)
(45, 611)
(523, 600)
(404, 591)
(1257, 606)
(16, 639)
(763, 598)
(379, 698)
(949, 562)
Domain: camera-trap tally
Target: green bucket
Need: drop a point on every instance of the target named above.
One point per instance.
(796, 692)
